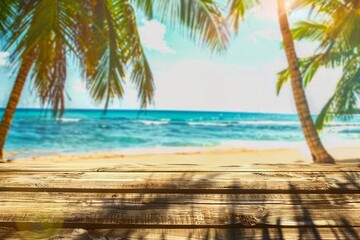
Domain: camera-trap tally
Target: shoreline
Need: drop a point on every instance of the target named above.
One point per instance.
(212, 156)
(249, 145)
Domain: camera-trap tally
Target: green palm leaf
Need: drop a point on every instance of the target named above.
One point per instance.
(201, 20)
(141, 74)
(238, 9)
(338, 34)
(104, 63)
(309, 30)
(345, 100)
(116, 49)
(146, 6)
(7, 14)
(43, 28)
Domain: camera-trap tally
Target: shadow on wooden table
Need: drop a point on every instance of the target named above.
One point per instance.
(190, 212)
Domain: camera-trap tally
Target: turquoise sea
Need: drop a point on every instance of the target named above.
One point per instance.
(35, 132)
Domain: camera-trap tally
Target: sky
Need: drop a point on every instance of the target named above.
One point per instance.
(188, 77)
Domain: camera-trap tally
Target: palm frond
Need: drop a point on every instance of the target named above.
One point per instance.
(144, 81)
(201, 20)
(43, 28)
(345, 100)
(115, 49)
(337, 31)
(325, 115)
(317, 6)
(141, 74)
(282, 78)
(7, 14)
(103, 59)
(308, 67)
(146, 6)
(238, 9)
(309, 30)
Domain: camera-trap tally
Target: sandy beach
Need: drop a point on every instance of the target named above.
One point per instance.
(183, 158)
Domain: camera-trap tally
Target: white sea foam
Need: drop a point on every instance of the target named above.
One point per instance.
(69, 119)
(340, 128)
(343, 123)
(214, 124)
(224, 124)
(281, 123)
(154, 122)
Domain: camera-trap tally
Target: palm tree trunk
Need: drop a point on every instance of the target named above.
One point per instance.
(318, 152)
(13, 101)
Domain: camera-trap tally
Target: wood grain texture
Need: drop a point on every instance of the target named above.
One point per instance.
(174, 215)
(278, 233)
(114, 166)
(195, 182)
(274, 203)
(167, 198)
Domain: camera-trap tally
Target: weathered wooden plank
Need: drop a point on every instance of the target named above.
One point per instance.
(113, 166)
(297, 212)
(338, 200)
(351, 233)
(197, 182)
(158, 199)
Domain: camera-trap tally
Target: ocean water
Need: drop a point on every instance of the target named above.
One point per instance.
(34, 131)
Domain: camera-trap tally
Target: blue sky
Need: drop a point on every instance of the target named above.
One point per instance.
(188, 77)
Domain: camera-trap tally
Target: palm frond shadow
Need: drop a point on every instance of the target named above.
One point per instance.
(241, 217)
(236, 225)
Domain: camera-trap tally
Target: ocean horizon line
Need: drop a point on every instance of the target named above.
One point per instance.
(151, 110)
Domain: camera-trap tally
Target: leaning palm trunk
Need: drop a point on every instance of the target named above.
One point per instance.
(13, 101)
(318, 152)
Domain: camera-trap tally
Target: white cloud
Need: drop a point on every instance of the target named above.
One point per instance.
(152, 35)
(4, 59)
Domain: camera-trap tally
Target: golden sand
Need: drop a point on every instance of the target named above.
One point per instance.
(182, 157)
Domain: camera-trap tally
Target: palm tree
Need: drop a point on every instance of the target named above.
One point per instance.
(337, 33)
(39, 36)
(318, 152)
(103, 37)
